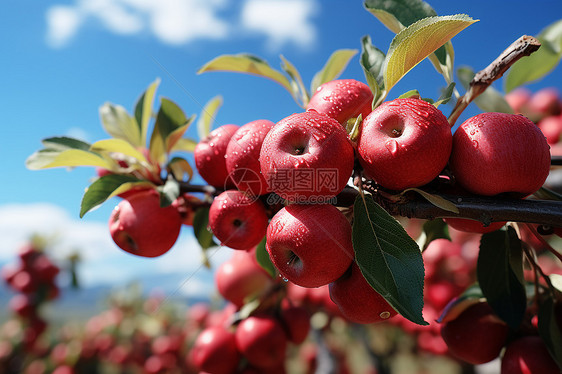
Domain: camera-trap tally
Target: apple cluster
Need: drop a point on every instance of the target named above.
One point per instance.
(33, 280)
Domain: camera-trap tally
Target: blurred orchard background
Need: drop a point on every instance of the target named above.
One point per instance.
(63, 59)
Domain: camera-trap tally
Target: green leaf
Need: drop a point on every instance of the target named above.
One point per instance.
(48, 158)
(411, 93)
(207, 116)
(436, 200)
(184, 145)
(143, 110)
(119, 124)
(249, 64)
(372, 60)
(169, 192)
(435, 229)
(118, 146)
(446, 95)
(262, 256)
(549, 330)
(180, 168)
(102, 189)
(336, 64)
(201, 228)
(500, 275)
(63, 143)
(488, 101)
(389, 259)
(419, 40)
(299, 92)
(541, 62)
(171, 123)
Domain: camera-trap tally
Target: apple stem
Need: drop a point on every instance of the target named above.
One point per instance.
(522, 47)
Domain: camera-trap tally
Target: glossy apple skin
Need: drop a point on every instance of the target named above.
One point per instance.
(262, 341)
(138, 225)
(477, 335)
(241, 277)
(209, 155)
(342, 99)
(215, 351)
(497, 152)
(242, 157)
(470, 225)
(310, 244)
(404, 143)
(357, 300)
(528, 355)
(237, 220)
(300, 151)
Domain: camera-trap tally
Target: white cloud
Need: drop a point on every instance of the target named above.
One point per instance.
(282, 21)
(171, 21)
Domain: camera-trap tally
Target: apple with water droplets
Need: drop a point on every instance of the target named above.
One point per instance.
(404, 143)
(306, 156)
(209, 155)
(310, 245)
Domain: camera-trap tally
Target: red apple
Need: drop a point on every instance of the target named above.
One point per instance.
(241, 278)
(357, 300)
(306, 157)
(551, 127)
(215, 351)
(545, 102)
(310, 244)
(242, 157)
(139, 225)
(404, 143)
(498, 152)
(238, 220)
(477, 335)
(470, 225)
(185, 206)
(342, 99)
(209, 156)
(262, 341)
(296, 321)
(528, 355)
(23, 305)
(518, 99)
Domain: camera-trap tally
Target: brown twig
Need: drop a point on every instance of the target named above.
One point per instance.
(522, 47)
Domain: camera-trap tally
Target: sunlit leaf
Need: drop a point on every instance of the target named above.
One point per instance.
(70, 158)
(180, 169)
(118, 123)
(300, 94)
(63, 143)
(372, 60)
(413, 44)
(143, 109)
(488, 101)
(170, 125)
(446, 95)
(184, 145)
(118, 146)
(436, 200)
(411, 93)
(389, 259)
(207, 116)
(540, 63)
(246, 63)
(336, 64)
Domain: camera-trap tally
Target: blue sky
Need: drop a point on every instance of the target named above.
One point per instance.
(62, 59)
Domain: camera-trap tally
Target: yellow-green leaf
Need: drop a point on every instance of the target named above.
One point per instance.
(207, 116)
(414, 43)
(180, 169)
(299, 92)
(70, 158)
(436, 200)
(184, 145)
(245, 63)
(118, 123)
(333, 68)
(118, 146)
(143, 109)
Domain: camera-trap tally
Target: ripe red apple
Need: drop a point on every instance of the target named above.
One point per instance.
(215, 351)
(306, 156)
(262, 341)
(185, 206)
(404, 143)
(242, 157)
(477, 335)
(551, 127)
(139, 225)
(310, 245)
(238, 220)
(518, 99)
(23, 305)
(470, 225)
(209, 156)
(357, 300)
(545, 102)
(342, 99)
(528, 355)
(241, 278)
(498, 152)
(296, 321)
